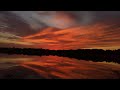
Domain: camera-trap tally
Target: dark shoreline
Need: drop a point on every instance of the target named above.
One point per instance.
(96, 55)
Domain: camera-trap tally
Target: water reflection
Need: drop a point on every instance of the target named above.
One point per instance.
(54, 67)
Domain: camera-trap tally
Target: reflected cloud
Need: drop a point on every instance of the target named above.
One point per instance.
(54, 67)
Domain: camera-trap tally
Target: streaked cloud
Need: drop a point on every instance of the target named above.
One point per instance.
(98, 35)
(9, 38)
(61, 29)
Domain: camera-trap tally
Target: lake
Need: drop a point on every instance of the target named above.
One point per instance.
(54, 67)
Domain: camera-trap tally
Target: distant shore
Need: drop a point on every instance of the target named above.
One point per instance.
(96, 55)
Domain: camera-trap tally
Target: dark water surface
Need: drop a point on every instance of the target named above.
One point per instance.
(54, 67)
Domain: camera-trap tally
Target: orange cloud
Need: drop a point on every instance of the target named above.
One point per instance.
(95, 36)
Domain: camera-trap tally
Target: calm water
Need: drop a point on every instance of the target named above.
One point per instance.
(54, 67)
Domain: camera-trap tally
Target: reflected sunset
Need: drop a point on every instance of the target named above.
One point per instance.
(54, 67)
(60, 44)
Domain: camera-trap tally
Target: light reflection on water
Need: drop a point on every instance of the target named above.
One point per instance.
(7, 61)
(51, 67)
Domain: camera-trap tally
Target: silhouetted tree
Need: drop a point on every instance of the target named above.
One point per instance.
(97, 55)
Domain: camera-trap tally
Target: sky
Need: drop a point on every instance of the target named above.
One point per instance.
(60, 29)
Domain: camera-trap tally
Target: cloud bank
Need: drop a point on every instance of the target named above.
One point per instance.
(60, 29)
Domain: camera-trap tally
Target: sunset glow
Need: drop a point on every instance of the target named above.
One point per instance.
(59, 44)
(62, 30)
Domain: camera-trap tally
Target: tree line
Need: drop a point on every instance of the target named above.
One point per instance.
(97, 55)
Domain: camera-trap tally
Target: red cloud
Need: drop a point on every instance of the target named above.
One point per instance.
(95, 36)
